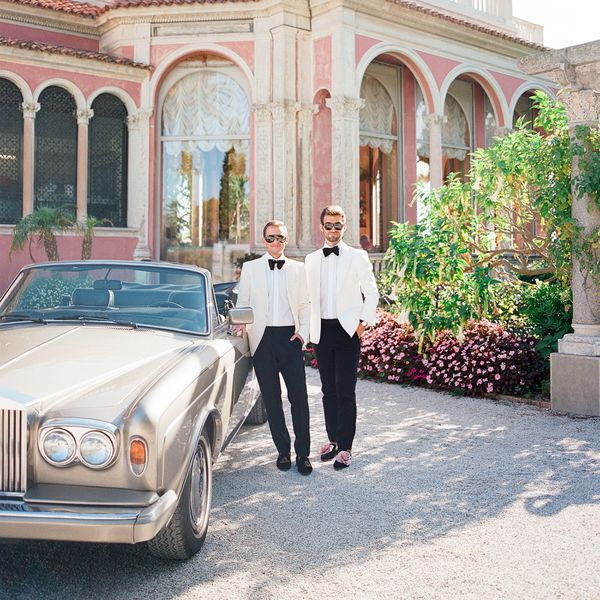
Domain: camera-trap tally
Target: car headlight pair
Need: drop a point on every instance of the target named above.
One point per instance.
(60, 446)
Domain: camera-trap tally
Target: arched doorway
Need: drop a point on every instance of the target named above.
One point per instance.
(205, 144)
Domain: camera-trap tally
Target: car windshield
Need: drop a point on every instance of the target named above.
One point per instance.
(163, 297)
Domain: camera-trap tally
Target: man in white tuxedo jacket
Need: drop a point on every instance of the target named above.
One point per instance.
(343, 300)
(275, 287)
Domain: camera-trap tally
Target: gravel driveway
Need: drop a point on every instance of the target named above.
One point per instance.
(448, 498)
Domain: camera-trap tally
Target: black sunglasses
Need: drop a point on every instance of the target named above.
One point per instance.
(275, 238)
(329, 226)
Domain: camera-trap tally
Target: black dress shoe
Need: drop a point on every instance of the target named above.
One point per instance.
(328, 451)
(303, 465)
(284, 462)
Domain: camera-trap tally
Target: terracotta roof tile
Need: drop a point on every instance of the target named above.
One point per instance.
(63, 50)
(416, 6)
(67, 6)
(134, 3)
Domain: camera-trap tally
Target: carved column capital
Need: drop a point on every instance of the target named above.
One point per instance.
(284, 110)
(29, 109)
(140, 118)
(583, 107)
(262, 112)
(84, 116)
(433, 119)
(344, 106)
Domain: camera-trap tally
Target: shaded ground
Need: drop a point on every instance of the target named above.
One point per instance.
(448, 497)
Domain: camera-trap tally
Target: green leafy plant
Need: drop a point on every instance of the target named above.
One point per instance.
(40, 227)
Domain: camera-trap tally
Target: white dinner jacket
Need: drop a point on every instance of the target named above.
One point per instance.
(356, 291)
(253, 291)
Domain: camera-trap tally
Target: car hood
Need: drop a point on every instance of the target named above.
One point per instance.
(85, 370)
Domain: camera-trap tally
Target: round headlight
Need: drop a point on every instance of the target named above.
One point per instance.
(59, 446)
(95, 449)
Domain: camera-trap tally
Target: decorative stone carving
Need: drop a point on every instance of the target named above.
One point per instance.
(29, 109)
(306, 136)
(262, 171)
(583, 107)
(140, 118)
(84, 116)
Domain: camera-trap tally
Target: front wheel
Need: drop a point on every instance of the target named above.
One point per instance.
(258, 414)
(184, 535)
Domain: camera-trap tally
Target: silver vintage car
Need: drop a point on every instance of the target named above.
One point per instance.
(120, 384)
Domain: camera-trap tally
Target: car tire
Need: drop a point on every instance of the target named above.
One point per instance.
(184, 535)
(258, 414)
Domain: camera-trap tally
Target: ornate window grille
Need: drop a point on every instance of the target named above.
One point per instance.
(11, 152)
(56, 150)
(107, 166)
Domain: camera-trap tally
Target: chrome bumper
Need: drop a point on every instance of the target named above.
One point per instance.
(36, 518)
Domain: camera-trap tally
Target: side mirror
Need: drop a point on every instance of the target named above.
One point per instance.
(240, 316)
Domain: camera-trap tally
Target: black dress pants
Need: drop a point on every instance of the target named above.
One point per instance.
(276, 354)
(337, 357)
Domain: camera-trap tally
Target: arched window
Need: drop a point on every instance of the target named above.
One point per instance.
(524, 109)
(107, 161)
(11, 143)
(378, 158)
(205, 141)
(455, 138)
(56, 150)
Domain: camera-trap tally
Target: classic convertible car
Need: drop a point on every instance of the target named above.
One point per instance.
(120, 384)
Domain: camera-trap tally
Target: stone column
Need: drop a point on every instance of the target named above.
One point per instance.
(344, 157)
(575, 375)
(305, 179)
(29, 109)
(138, 179)
(575, 368)
(83, 119)
(284, 165)
(263, 191)
(436, 172)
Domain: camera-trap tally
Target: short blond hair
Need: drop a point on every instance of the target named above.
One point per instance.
(333, 210)
(274, 223)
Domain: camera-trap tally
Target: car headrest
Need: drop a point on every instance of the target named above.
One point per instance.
(90, 297)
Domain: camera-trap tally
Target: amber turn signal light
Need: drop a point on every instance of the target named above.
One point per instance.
(138, 456)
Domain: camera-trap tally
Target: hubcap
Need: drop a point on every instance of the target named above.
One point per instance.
(199, 493)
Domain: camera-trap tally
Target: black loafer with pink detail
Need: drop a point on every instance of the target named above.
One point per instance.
(328, 451)
(343, 460)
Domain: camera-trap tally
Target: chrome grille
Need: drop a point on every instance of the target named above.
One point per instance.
(13, 451)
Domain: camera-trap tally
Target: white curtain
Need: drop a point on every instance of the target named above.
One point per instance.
(206, 103)
(454, 130)
(377, 115)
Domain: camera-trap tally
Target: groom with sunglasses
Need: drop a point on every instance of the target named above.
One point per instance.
(343, 300)
(275, 288)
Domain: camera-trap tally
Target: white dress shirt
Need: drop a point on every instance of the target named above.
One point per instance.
(279, 312)
(329, 266)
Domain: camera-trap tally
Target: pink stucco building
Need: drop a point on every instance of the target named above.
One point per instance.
(184, 125)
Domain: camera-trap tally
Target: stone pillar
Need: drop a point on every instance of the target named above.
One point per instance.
(83, 119)
(138, 178)
(436, 172)
(263, 191)
(284, 165)
(344, 157)
(576, 367)
(29, 109)
(305, 179)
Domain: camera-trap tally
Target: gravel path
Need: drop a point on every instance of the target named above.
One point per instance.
(448, 498)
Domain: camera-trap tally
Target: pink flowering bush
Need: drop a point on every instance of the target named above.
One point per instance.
(489, 360)
(389, 352)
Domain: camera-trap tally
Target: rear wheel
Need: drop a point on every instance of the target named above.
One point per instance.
(258, 414)
(184, 535)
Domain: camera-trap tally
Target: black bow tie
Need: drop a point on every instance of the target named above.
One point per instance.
(273, 262)
(328, 251)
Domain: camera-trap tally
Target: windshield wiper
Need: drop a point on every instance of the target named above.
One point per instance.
(97, 318)
(14, 317)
